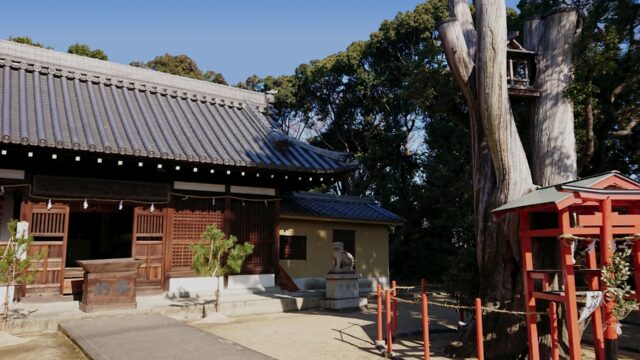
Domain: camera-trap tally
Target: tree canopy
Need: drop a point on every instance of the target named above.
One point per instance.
(181, 65)
(27, 41)
(85, 50)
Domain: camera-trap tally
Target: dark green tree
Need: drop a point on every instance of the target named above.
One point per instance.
(27, 41)
(85, 50)
(214, 77)
(180, 65)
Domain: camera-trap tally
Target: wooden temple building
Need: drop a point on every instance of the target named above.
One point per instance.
(111, 161)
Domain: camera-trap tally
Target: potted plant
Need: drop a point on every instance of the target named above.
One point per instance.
(216, 256)
(15, 263)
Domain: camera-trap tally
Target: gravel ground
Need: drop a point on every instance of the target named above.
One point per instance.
(326, 335)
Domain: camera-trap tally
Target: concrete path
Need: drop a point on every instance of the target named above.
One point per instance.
(151, 337)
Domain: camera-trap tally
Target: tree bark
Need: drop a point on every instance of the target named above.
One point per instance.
(500, 168)
(477, 57)
(554, 148)
(553, 155)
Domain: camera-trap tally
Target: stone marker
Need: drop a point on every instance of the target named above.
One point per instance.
(342, 281)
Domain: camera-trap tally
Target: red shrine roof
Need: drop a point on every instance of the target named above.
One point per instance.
(552, 195)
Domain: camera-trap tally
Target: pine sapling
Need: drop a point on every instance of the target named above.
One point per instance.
(218, 256)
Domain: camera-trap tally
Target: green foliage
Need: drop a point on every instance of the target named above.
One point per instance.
(391, 102)
(14, 266)
(615, 277)
(214, 77)
(27, 41)
(217, 256)
(181, 65)
(85, 50)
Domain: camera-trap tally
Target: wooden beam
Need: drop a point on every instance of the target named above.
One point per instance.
(571, 304)
(530, 300)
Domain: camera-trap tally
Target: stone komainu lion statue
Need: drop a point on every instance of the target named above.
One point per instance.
(342, 261)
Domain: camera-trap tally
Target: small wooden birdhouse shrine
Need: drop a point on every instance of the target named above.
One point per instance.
(521, 69)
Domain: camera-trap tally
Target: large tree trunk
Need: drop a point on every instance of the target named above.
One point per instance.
(500, 169)
(553, 151)
(553, 155)
(501, 173)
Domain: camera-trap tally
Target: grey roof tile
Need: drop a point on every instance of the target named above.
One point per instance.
(308, 204)
(61, 100)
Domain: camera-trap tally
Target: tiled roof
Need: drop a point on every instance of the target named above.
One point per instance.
(306, 204)
(54, 99)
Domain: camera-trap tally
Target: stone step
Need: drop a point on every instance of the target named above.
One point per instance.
(37, 317)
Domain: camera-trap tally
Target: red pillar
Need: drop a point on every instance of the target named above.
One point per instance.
(636, 257)
(425, 325)
(607, 247)
(530, 301)
(571, 304)
(636, 266)
(387, 307)
(394, 306)
(553, 321)
(379, 291)
(479, 330)
(596, 317)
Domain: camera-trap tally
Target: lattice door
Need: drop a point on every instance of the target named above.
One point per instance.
(190, 219)
(49, 228)
(148, 238)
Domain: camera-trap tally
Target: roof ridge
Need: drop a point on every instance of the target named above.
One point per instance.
(100, 71)
(333, 197)
(611, 172)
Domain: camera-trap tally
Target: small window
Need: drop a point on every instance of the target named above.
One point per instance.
(293, 247)
(348, 238)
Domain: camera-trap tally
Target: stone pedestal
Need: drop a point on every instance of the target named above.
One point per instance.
(109, 284)
(343, 292)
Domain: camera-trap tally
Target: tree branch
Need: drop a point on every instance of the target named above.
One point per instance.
(459, 9)
(627, 130)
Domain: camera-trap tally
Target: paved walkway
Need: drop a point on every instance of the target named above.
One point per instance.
(151, 337)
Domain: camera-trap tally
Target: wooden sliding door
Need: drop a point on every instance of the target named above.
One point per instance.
(148, 244)
(49, 228)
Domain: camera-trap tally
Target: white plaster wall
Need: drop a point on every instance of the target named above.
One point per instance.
(261, 281)
(194, 285)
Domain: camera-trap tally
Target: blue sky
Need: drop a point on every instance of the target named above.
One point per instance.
(237, 38)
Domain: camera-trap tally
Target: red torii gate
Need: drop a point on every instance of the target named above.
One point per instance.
(600, 207)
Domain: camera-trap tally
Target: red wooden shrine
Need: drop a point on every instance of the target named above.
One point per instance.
(605, 208)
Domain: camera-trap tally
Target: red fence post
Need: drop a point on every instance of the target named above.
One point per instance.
(425, 325)
(553, 320)
(423, 286)
(394, 292)
(479, 331)
(379, 291)
(387, 307)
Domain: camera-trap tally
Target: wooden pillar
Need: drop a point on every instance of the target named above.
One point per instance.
(570, 301)
(636, 257)
(530, 301)
(276, 237)
(596, 316)
(553, 323)
(607, 247)
(636, 267)
(167, 252)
